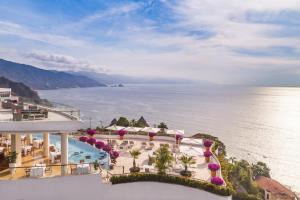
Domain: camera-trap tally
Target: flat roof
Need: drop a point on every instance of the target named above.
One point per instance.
(5, 89)
(57, 121)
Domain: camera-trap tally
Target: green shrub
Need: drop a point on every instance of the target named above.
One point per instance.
(142, 177)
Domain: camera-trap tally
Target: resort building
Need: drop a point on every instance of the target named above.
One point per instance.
(21, 123)
(40, 142)
(274, 190)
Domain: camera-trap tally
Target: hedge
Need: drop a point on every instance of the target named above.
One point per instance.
(142, 177)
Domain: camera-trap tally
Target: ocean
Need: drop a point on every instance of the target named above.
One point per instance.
(255, 123)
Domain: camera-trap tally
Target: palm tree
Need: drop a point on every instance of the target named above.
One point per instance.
(163, 159)
(134, 154)
(162, 126)
(186, 162)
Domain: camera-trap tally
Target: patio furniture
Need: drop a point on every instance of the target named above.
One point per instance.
(57, 158)
(2, 149)
(26, 149)
(27, 172)
(149, 148)
(37, 143)
(48, 169)
(148, 168)
(54, 155)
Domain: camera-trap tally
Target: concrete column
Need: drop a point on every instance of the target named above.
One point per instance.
(46, 145)
(16, 146)
(64, 153)
(29, 138)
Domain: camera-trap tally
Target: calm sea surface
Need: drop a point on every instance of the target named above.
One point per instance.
(254, 123)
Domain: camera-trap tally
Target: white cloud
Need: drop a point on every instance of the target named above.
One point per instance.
(9, 28)
(62, 62)
(138, 46)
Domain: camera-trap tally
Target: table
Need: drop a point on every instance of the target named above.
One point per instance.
(37, 143)
(2, 149)
(6, 142)
(82, 169)
(53, 155)
(150, 167)
(26, 149)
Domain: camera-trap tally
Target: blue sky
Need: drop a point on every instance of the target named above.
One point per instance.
(232, 42)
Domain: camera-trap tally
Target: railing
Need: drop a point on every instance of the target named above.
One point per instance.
(50, 171)
(64, 110)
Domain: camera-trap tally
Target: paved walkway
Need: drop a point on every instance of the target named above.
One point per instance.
(91, 187)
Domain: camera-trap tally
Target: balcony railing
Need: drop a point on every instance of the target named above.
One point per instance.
(39, 112)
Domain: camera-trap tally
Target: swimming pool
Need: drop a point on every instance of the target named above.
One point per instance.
(79, 151)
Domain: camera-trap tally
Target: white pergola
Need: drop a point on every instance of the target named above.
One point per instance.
(132, 129)
(115, 128)
(150, 130)
(175, 132)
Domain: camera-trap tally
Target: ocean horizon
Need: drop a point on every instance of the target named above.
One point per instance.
(255, 123)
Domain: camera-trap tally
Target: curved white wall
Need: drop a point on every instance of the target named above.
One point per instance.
(91, 187)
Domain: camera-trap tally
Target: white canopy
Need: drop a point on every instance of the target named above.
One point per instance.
(115, 128)
(175, 132)
(150, 130)
(132, 129)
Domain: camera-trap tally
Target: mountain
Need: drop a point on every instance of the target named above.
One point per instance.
(116, 79)
(41, 79)
(19, 89)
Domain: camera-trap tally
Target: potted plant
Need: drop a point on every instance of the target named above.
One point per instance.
(91, 141)
(151, 136)
(178, 138)
(113, 156)
(186, 162)
(163, 159)
(207, 155)
(107, 148)
(83, 139)
(217, 181)
(99, 144)
(207, 144)
(213, 167)
(91, 132)
(135, 153)
(121, 134)
(12, 158)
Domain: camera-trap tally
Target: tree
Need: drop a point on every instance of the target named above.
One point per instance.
(163, 159)
(186, 162)
(123, 121)
(142, 123)
(133, 122)
(113, 122)
(135, 153)
(162, 126)
(260, 169)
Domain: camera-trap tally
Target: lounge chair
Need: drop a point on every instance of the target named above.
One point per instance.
(48, 169)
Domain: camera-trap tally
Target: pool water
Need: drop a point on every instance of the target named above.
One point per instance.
(79, 151)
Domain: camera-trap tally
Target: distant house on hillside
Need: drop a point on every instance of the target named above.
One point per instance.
(274, 190)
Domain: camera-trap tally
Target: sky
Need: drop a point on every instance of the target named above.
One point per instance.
(220, 41)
